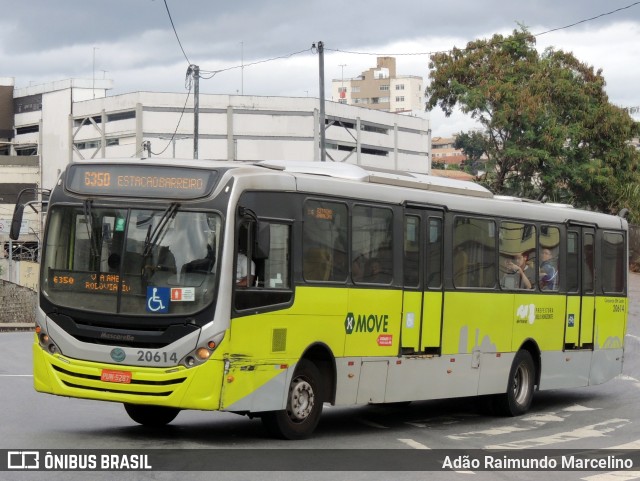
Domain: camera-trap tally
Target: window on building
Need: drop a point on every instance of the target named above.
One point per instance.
(399, 86)
(384, 87)
(129, 114)
(87, 120)
(30, 103)
(29, 129)
(89, 144)
(384, 100)
(400, 99)
(373, 128)
(25, 151)
(355, 90)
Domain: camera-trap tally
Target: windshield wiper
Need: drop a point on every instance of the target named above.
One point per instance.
(88, 220)
(153, 236)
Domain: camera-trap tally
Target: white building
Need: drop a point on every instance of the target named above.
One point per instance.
(244, 128)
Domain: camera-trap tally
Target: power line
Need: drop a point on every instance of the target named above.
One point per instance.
(175, 31)
(448, 51)
(212, 73)
(177, 126)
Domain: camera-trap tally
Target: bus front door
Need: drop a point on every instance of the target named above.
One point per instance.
(579, 323)
(423, 286)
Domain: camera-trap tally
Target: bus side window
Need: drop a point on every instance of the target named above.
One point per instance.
(474, 248)
(272, 284)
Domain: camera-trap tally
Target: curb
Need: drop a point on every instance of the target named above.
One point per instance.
(16, 326)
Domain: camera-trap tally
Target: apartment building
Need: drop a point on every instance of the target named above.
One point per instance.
(381, 88)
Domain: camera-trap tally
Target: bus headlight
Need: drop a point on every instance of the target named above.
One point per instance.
(45, 341)
(203, 352)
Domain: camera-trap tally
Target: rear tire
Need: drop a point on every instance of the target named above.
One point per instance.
(520, 388)
(151, 416)
(304, 405)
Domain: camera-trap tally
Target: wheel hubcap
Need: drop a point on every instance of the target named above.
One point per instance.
(301, 400)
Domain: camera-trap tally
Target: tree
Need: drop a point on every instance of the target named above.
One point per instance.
(550, 131)
(474, 146)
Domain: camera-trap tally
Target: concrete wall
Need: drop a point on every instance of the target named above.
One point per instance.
(17, 303)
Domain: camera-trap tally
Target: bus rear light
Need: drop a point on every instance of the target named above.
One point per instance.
(212, 345)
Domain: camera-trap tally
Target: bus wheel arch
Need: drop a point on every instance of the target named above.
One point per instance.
(312, 383)
(523, 378)
(320, 355)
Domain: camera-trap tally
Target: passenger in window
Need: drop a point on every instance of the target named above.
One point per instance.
(357, 269)
(244, 277)
(519, 275)
(548, 272)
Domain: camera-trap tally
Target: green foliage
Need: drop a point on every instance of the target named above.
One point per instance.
(550, 131)
(474, 146)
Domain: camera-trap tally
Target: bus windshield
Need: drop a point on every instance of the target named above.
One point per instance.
(131, 261)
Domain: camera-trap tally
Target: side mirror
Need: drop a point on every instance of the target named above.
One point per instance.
(262, 244)
(16, 222)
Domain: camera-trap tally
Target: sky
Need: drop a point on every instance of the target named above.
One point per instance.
(260, 47)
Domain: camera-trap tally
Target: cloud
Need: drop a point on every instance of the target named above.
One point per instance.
(135, 44)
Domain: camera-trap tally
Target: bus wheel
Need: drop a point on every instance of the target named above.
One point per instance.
(519, 395)
(151, 416)
(304, 405)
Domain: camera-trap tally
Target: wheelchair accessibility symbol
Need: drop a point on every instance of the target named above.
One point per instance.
(158, 299)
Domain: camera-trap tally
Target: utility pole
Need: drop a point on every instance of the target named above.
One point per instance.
(342, 66)
(241, 68)
(196, 107)
(323, 151)
(93, 84)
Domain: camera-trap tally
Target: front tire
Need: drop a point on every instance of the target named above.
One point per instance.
(304, 405)
(151, 416)
(520, 388)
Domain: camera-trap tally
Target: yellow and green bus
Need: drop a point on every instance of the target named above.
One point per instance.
(358, 286)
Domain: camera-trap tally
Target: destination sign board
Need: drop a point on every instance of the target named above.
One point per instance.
(130, 180)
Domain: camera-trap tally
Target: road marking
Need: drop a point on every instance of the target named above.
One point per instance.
(631, 445)
(637, 338)
(543, 418)
(413, 444)
(592, 431)
(625, 377)
(489, 432)
(16, 375)
(578, 408)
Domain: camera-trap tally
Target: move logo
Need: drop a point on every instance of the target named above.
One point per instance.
(366, 323)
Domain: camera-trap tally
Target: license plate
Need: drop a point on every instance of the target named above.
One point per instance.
(122, 377)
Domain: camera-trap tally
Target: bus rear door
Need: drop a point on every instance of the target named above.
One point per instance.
(423, 286)
(579, 324)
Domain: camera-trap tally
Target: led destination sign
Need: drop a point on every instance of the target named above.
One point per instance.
(140, 181)
(87, 281)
